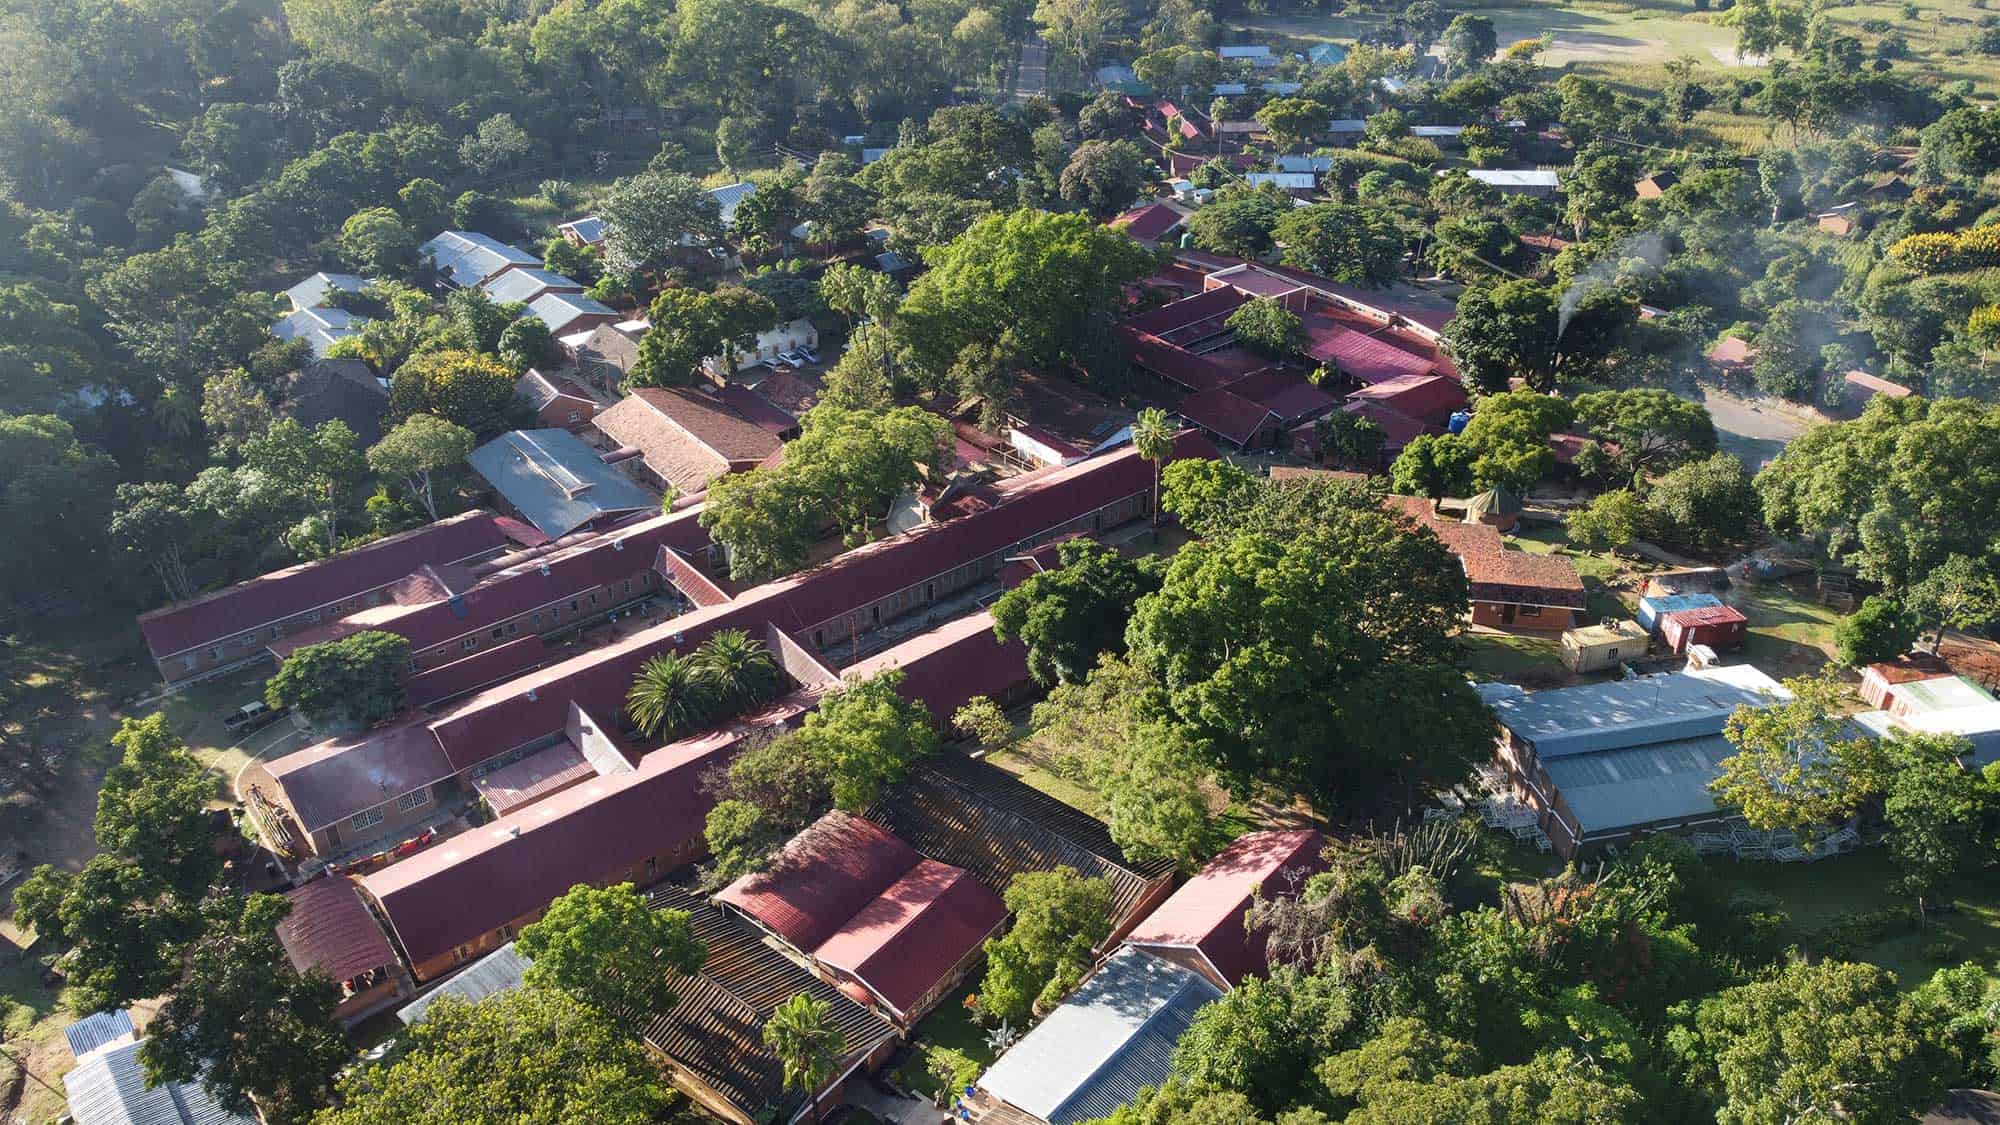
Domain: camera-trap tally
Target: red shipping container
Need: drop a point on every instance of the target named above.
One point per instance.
(1720, 627)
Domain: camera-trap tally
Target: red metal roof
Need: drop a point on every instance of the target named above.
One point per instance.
(250, 605)
(1704, 615)
(332, 780)
(1399, 428)
(1177, 365)
(1286, 393)
(536, 705)
(760, 411)
(1226, 414)
(915, 932)
(1188, 310)
(528, 584)
(1206, 913)
(822, 878)
(1871, 385)
(1428, 398)
(481, 669)
(1369, 359)
(1148, 223)
(522, 783)
(331, 929)
(946, 666)
(483, 879)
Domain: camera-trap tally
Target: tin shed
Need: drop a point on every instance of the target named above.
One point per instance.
(1595, 648)
(1720, 627)
(1652, 609)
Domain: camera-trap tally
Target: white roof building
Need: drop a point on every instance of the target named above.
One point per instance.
(1517, 179)
(319, 328)
(464, 258)
(314, 291)
(108, 1085)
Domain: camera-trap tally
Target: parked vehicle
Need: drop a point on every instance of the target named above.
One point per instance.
(810, 355)
(250, 716)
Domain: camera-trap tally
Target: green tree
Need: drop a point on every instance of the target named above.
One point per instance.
(461, 387)
(1795, 765)
(234, 410)
(1351, 440)
(863, 738)
(1706, 503)
(1153, 436)
(856, 293)
(1612, 520)
(1059, 919)
(1507, 441)
(53, 483)
(155, 525)
(1049, 280)
(1554, 1088)
(1293, 122)
(498, 143)
(800, 1032)
(1184, 1103)
(419, 447)
(1434, 466)
(357, 679)
(742, 671)
(1961, 593)
(671, 695)
(243, 1022)
(122, 933)
(526, 343)
(1895, 492)
(1469, 41)
(313, 470)
(1821, 1042)
(1264, 1037)
(1358, 245)
(651, 216)
(607, 948)
(377, 241)
(845, 467)
(1242, 624)
(1268, 328)
(529, 1056)
(1067, 617)
(1104, 177)
(152, 809)
(1937, 812)
(1880, 630)
(1239, 223)
(1654, 430)
(1511, 329)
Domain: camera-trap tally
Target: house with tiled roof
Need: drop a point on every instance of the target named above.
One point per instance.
(603, 356)
(336, 390)
(1203, 925)
(894, 930)
(1508, 589)
(558, 402)
(684, 438)
(1151, 223)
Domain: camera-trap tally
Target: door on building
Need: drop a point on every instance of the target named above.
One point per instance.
(1507, 614)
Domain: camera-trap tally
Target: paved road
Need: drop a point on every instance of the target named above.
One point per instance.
(1755, 430)
(1032, 79)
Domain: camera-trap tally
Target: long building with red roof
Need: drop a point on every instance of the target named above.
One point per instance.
(1202, 925)
(231, 627)
(895, 930)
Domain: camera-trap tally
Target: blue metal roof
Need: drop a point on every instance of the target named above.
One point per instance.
(1624, 713)
(1617, 789)
(556, 481)
(1113, 1037)
(94, 1031)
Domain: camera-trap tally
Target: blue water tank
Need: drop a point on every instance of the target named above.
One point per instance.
(1459, 420)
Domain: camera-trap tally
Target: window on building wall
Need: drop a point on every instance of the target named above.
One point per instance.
(875, 612)
(575, 417)
(276, 632)
(538, 619)
(216, 653)
(1531, 611)
(628, 585)
(652, 865)
(513, 627)
(313, 617)
(247, 640)
(415, 800)
(363, 821)
(188, 662)
(593, 599)
(469, 643)
(498, 632)
(575, 605)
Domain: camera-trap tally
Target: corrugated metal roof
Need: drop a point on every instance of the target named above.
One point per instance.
(1945, 693)
(96, 1030)
(497, 972)
(556, 481)
(1620, 788)
(109, 1088)
(1635, 712)
(1114, 1036)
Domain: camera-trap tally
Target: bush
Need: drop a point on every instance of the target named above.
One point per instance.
(1946, 251)
(953, 1070)
(1879, 630)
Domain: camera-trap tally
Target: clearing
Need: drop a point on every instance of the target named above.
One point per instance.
(1580, 33)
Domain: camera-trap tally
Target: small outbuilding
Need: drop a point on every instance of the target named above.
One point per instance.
(1651, 609)
(1497, 508)
(1720, 627)
(1595, 648)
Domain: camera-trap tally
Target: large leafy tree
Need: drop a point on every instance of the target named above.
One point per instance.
(1654, 430)
(153, 808)
(1707, 503)
(461, 387)
(1070, 615)
(245, 1023)
(864, 737)
(530, 1056)
(1961, 593)
(1104, 177)
(421, 446)
(356, 680)
(1049, 280)
(1059, 918)
(52, 483)
(1358, 245)
(1239, 222)
(690, 326)
(651, 216)
(844, 469)
(1796, 765)
(1895, 492)
(606, 947)
(122, 932)
(1824, 1042)
(1937, 812)
(1506, 331)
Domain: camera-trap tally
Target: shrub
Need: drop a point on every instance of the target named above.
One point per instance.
(1879, 630)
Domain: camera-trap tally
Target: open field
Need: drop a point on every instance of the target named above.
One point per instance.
(1617, 33)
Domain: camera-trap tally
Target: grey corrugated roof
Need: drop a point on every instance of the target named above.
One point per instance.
(109, 1088)
(1306, 164)
(556, 481)
(590, 229)
(1620, 788)
(1634, 712)
(1110, 1039)
(313, 290)
(526, 283)
(318, 327)
(466, 258)
(94, 1031)
(560, 310)
(728, 196)
(497, 972)
(1511, 177)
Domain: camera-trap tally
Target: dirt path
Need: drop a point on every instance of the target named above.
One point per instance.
(1754, 429)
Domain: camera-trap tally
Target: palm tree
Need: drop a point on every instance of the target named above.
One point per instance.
(670, 694)
(805, 1043)
(742, 670)
(1153, 435)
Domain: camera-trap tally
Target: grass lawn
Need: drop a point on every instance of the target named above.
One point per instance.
(1512, 657)
(1654, 31)
(950, 1025)
(1789, 632)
